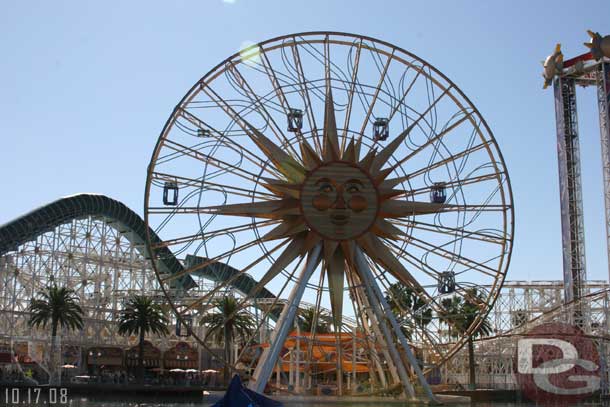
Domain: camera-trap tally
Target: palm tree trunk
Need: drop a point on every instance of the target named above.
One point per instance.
(140, 372)
(53, 359)
(227, 333)
(471, 372)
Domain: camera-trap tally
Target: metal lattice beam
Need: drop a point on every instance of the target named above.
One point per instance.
(603, 97)
(570, 189)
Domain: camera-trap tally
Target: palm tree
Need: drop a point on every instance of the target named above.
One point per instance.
(408, 307)
(307, 317)
(142, 316)
(228, 322)
(460, 313)
(59, 306)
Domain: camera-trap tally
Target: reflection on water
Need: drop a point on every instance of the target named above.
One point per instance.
(110, 399)
(84, 402)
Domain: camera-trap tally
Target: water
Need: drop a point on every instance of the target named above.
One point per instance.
(143, 402)
(127, 400)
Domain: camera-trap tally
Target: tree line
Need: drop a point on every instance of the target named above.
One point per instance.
(58, 307)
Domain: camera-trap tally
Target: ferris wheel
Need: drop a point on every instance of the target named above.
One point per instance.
(338, 170)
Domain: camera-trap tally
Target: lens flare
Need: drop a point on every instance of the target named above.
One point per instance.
(250, 53)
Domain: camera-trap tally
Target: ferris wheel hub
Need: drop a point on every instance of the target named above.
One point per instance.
(339, 201)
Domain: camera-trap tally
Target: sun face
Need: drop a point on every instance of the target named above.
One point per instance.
(339, 201)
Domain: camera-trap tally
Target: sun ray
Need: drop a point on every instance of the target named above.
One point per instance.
(311, 240)
(310, 157)
(279, 187)
(330, 247)
(347, 246)
(286, 229)
(368, 159)
(336, 273)
(288, 166)
(384, 228)
(291, 252)
(331, 140)
(350, 152)
(378, 251)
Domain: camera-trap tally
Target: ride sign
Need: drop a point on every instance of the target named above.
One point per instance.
(557, 363)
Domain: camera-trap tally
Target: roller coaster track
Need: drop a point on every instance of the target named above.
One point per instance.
(44, 219)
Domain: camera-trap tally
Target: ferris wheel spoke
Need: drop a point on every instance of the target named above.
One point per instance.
(273, 306)
(256, 101)
(205, 158)
(394, 208)
(421, 293)
(282, 161)
(203, 265)
(402, 136)
(227, 141)
(446, 230)
(447, 160)
(384, 155)
(231, 280)
(476, 208)
(376, 94)
(449, 255)
(290, 253)
(406, 92)
(437, 137)
(204, 184)
(271, 74)
(252, 210)
(412, 260)
(402, 209)
(457, 183)
(350, 96)
(305, 92)
(377, 251)
(208, 235)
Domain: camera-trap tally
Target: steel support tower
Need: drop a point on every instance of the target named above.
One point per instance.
(603, 98)
(570, 188)
(582, 70)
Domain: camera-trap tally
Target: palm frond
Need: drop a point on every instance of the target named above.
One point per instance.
(142, 314)
(56, 306)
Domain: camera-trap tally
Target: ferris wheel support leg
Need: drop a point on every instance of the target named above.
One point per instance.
(268, 359)
(378, 301)
(373, 325)
(368, 282)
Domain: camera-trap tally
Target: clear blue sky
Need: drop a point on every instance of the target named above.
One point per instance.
(86, 87)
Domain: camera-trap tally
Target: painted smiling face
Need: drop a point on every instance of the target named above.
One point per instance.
(339, 201)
